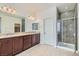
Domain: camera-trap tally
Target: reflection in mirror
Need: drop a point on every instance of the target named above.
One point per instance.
(23, 25)
(11, 23)
(17, 27)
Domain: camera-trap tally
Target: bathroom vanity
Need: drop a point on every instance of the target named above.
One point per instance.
(12, 44)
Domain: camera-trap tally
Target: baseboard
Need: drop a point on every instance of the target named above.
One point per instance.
(65, 48)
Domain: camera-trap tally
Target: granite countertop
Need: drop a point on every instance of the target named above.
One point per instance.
(16, 34)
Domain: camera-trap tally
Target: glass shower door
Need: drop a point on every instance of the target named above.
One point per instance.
(68, 33)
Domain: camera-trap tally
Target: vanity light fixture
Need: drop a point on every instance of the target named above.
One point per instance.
(31, 18)
(8, 9)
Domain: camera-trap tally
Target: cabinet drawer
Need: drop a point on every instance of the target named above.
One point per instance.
(28, 37)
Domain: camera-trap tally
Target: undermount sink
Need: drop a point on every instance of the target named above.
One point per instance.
(9, 34)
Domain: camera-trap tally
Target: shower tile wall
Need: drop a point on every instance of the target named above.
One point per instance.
(68, 31)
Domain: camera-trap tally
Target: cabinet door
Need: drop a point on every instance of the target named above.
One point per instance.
(35, 39)
(17, 45)
(6, 47)
(27, 42)
(0, 47)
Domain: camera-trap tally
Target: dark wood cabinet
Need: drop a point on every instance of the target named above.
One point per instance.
(13, 45)
(27, 42)
(17, 45)
(0, 46)
(6, 47)
(35, 39)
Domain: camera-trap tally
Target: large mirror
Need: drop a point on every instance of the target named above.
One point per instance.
(11, 23)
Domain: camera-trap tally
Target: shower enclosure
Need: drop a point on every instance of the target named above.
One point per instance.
(67, 29)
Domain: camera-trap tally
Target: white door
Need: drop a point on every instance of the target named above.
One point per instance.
(48, 31)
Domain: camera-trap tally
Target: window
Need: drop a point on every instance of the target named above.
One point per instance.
(34, 26)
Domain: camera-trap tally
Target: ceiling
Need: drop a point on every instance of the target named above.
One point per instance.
(30, 8)
(34, 8)
(66, 7)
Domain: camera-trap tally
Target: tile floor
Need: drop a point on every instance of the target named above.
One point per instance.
(46, 50)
